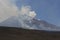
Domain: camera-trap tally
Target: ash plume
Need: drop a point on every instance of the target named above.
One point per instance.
(8, 9)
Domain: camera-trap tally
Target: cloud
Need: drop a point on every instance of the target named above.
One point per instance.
(8, 9)
(26, 14)
(26, 11)
(32, 14)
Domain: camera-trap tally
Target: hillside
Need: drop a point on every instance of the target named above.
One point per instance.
(30, 24)
(8, 33)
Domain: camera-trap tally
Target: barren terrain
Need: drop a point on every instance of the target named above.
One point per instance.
(8, 33)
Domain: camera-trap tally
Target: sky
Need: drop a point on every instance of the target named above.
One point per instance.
(48, 10)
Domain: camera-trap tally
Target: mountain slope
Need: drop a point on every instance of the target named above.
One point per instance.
(45, 25)
(32, 24)
(12, 22)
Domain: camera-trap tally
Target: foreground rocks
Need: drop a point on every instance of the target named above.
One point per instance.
(25, 34)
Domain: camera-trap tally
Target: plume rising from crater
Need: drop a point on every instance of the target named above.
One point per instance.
(8, 9)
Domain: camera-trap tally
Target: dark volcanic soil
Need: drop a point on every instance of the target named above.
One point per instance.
(23, 34)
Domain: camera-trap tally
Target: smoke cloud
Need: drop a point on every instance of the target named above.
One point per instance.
(8, 9)
(25, 14)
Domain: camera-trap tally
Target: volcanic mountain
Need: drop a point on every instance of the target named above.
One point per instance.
(10, 30)
(33, 24)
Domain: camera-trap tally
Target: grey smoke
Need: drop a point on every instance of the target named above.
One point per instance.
(8, 9)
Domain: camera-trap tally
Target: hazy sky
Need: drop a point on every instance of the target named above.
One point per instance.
(48, 10)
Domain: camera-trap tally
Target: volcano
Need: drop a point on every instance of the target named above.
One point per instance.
(33, 24)
(42, 30)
